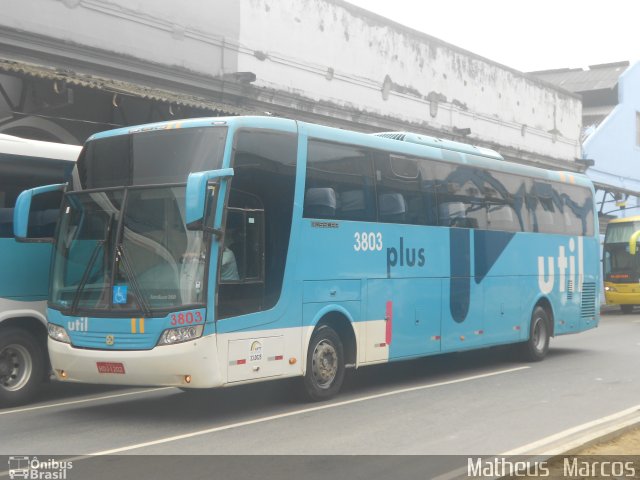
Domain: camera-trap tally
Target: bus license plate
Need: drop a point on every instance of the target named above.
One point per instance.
(110, 367)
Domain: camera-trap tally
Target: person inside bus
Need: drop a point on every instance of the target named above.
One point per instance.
(229, 266)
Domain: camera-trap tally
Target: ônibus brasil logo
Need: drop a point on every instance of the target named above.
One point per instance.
(32, 468)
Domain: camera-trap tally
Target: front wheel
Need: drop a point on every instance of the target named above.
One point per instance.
(325, 365)
(536, 348)
(22, 366)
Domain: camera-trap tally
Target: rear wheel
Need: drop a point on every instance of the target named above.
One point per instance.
(22, 366)
(626, 309)
(536, 348)
(325, 365)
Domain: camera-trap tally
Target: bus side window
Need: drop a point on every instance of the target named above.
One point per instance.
(505, 202)
(339, 182)
(578, 210)
(259, 211)
(501, 217)
(44, 209)
(405, 190)
(320, 202)
(461, 185)
(548, 208)
(452, 214)
(392, 208)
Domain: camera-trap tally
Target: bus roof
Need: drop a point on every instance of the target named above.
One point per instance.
(400, 142)
(441, 143)
(24, 147)
(635, 218)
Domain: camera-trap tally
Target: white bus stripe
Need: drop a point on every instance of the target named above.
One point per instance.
(302, 412)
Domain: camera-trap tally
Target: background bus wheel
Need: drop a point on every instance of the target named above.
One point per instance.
(22, 366)
(626, 309)
(536, 348)
(325, 365)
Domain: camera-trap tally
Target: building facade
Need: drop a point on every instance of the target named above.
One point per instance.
(101, 65)
(611, 130)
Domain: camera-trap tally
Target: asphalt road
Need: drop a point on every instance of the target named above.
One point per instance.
(476, 403)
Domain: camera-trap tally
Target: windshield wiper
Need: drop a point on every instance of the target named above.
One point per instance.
(133, 281)
(92, 260)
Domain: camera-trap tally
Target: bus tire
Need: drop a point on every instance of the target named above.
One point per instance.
(325, 365)
(22, 366)
(537, 346)
(626, 309)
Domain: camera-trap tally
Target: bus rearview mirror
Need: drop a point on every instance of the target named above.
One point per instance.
(633, 242)
(22, 215)
(201, 198)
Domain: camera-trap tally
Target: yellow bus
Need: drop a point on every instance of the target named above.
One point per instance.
(622, 263)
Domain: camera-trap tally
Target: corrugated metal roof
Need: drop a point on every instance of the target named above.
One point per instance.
(117, 86)
(596, 77)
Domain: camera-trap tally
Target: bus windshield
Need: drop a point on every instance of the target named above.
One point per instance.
(620, 266)
(127, 249)
(620, 232)
(122, 243)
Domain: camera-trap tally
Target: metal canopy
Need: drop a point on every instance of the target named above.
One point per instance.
(117, 87)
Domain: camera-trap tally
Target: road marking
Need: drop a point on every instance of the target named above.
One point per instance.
(302, 412)
(85, 400)
(585, 433)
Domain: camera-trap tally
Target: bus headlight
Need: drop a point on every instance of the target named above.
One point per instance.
(610, 289)
(172, 336)
(58, 333)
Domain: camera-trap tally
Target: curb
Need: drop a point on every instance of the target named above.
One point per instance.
(581, 436)
(567, 442)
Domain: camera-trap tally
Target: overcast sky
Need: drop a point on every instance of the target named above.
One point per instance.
(523, 34)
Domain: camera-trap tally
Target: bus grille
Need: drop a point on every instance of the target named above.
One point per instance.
(588, 300)
(569, 289)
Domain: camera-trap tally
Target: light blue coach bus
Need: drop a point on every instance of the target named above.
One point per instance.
(220, 251)
(24, 272)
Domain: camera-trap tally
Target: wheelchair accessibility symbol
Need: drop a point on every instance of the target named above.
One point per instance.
(119, 294)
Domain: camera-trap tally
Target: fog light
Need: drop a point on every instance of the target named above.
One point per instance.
(187, 379)
(292, 361)
(62, 374)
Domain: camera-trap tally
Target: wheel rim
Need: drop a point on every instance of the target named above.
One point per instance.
(539, 335)
(15, 367)
(324, 364)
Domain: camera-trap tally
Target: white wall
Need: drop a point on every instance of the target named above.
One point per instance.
(327, 51)
(304, 39)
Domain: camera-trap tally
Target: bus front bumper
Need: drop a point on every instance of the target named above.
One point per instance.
(190, 364)
(622, 294)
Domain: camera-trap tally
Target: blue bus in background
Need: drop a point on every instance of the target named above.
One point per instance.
(220, 251)
(24, 276)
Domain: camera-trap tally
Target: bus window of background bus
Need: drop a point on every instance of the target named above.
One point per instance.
(339, 183)
(18, 174)
(260, 209)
